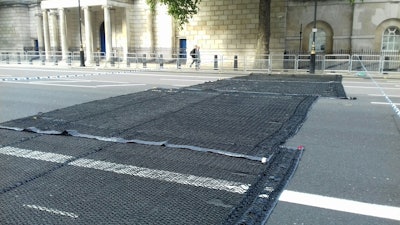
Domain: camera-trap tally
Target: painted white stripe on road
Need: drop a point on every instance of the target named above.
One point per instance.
(83, 86)
(184, 80)
(386, 88)
(53, 211)
(29, 154)
(162, 175)
(384, 103)
(381, 95)
(343, 205)
(349, 206)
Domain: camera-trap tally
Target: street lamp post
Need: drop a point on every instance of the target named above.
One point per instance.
(81, 53)
(314, 30)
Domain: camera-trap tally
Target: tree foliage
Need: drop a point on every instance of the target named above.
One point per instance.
(180, 10)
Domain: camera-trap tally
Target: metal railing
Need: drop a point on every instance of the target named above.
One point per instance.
(380, 63)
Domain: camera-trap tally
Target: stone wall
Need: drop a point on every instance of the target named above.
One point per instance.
(14, 28)
(371, 18)
(224, 25)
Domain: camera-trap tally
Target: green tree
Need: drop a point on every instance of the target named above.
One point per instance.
(180, 10)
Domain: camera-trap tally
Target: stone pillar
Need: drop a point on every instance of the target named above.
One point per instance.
(88, 36)
(39, 29)
(278, 32)
(54, 40)
(63, 35)
(107, 31)
(150, 29)
(46, 34)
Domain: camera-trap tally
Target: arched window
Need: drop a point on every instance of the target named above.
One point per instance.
(320, 41)
(391, 39)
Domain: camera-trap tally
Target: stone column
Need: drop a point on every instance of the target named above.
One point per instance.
(63, 35)
(39, 29)
(54, 40)
(107, 30)
(46, 34)
(150, 29)
(88, 36)
(278, 33)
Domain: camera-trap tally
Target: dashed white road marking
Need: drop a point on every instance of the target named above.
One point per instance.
(381, 95)
(161, 175)
(30, 154)
(343, 205)
(384, 103)
(183, 80)
(53, 211)
(69, 84)
(371, 87)
(349, 206)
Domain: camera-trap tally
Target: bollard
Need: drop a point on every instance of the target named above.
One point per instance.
(144, 61)
(112, 60)
(161, 61)
(215, 62)
(178, 63)
(69, 59)
(98, 59)
(18, 58)
(235, 63)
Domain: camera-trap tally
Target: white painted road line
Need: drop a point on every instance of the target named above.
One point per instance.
(365, 87)
(381, 95)
(349, 206)
(53, 211)
(44, 156)
(384, 103)
(162, 175)
(183, 80)
(68, 84)
(343, 205)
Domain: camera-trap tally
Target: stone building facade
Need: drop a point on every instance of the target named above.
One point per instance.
(224, 26)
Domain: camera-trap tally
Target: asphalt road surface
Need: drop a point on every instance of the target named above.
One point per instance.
(349, 173)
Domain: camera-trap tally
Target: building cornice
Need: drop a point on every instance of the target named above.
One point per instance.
(56, 4)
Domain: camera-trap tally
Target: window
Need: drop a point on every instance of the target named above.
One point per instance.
(391, 39)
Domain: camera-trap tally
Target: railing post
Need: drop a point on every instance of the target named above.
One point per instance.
(98, 59)
(69, 59)
(128, 61)
(215, 62)
(18, 58)
(144, 61)
(235, 63)
(178, 63)
(161, 61)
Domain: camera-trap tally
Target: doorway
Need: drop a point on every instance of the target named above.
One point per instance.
(182, 48)
(102, 36)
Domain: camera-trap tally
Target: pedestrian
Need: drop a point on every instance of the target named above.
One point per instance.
(193, 55)
(198, 58)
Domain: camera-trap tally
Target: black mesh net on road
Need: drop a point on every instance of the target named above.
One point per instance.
(218, 124)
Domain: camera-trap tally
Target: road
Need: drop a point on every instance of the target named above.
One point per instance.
(349, 172)
(352, 146)
(28, 91)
